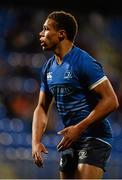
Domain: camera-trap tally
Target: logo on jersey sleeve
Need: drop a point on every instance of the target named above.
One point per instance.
(49, 75)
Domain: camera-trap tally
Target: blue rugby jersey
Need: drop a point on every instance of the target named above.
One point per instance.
(71, 84)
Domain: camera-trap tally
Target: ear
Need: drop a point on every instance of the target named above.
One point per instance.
(62, 35)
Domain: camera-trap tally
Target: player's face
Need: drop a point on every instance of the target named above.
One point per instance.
(49, 36)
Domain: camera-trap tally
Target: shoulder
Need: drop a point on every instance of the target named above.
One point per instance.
(78, 51)
(85, 63)
(81, 55)
(86, 59)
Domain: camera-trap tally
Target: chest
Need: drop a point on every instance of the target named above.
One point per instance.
(61, 74)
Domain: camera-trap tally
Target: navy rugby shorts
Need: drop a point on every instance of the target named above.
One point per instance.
(90, 151)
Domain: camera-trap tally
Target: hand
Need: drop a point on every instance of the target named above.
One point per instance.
(37, 151)
(70, 134)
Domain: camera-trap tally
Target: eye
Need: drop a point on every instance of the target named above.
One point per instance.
(45, 28)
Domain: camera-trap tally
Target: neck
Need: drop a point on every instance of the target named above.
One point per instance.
(62, 50)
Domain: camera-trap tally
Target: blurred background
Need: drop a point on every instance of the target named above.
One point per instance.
(21, 59)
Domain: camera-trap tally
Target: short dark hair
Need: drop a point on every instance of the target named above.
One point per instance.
(65, 21)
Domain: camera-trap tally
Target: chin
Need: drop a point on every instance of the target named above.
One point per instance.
(46, 48)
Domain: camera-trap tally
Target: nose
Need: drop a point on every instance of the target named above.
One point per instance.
(41, 33)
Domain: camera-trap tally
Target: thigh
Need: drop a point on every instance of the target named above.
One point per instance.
(94, 152)
(92, 158)
(86, 171)
(67, 175)
(83, 171)
(68, 164)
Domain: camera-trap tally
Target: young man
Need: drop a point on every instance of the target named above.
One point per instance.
(84, 97)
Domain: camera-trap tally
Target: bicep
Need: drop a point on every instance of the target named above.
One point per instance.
(105, 90)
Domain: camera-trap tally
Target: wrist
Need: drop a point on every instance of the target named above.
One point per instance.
(82, 126)
(35, 142)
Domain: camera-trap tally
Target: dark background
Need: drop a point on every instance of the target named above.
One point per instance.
(21, 59)
(109, 7)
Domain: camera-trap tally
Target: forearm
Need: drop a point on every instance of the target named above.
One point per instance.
(39, 125)
(103, 108)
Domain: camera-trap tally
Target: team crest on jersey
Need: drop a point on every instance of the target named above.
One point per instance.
(49, 75)
(68, 74)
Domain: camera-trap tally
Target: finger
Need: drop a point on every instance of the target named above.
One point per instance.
(59, 148)
(62, 131)
(60, 143)
(38, 155)
(38, 160)
(45, 150)
(65, 145)
(39, 163)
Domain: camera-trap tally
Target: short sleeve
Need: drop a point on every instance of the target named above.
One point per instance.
(44, 86)
(92, 71)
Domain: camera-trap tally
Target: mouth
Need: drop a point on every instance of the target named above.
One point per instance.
(42, 43)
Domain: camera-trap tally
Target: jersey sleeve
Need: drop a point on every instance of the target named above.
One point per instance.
(44, 86)
(92, 72)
